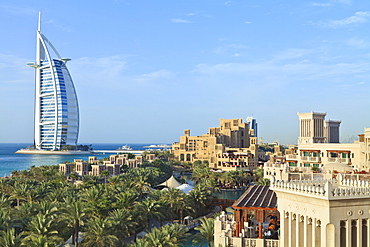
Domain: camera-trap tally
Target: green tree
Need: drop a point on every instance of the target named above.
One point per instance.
(166, 236)
(43, 226)
(123, 223)
(105, 174)
(74, 214)
(9, 239)
(73, 176)
(206, 231)
(99, 233)
(150, 209)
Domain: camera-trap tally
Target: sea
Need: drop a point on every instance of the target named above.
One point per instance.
(10, 161)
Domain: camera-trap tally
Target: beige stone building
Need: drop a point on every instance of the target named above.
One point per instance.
(318, 145)
(231, 146)
(113, 165)
(312, 213)
(66, 168)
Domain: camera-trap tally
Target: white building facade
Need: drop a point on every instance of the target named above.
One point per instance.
(56, 106)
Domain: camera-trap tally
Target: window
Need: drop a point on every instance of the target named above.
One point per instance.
(354, 232)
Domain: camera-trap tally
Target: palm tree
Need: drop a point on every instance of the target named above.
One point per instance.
(206, 231)
(43, 226)
(9, 239)
(5, 201)
(141, 186)
(166, 236)
(98, 233)
(139, 243)
(19, 193)
(126, 199)
(258, 173)
(123, 223)
(199, 197)
(150, 209)
(39, 241)
(177, 201)
(105, 174)
(5, 219)
(73, 176)
(263, 182)
(74, 215)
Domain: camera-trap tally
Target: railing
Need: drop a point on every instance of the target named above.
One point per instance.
(292, 156)
(272, 243)
(249, 242)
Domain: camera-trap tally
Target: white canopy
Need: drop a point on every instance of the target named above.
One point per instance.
(171, 183)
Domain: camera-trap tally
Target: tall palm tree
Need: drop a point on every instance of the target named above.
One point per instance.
(150, 209)
(141, 186)
(99, 233)
(74, 215)
(20, 192)
(105, 174)
(199, 197)
(177, 201)
(206, 231)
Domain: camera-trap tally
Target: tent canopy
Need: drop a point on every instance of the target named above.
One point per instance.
(171, 183)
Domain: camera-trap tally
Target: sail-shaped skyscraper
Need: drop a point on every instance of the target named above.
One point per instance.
(56, 106)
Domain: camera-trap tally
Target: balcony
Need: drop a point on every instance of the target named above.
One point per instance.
(291, 157)
(340, 160)
(311, 159)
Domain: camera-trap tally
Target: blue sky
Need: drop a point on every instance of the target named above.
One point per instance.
(146, 70)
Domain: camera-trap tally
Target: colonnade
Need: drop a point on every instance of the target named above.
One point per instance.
(300, 231)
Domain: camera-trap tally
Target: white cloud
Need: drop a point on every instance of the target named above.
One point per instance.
(179, 20)
(321, 4)
(230, 49)
(358, 18)
(360, 43)
(57, 25)
(345, 1)
(19, 10)
(159, 74)
(291, 54)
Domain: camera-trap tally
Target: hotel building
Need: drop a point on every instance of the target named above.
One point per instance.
(232, 146)
(56, 107)
(318, 144)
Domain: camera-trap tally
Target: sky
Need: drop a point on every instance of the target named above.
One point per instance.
(145, 70)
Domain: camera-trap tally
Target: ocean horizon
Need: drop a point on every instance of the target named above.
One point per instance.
(10, 161)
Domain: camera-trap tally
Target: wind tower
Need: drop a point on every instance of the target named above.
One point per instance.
(56, 117)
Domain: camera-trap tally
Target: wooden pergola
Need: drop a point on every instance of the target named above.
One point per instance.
(257, 200)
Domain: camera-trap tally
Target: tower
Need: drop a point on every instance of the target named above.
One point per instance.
(56, 106)
(332, 131)
(252, 122)
(311, 126)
